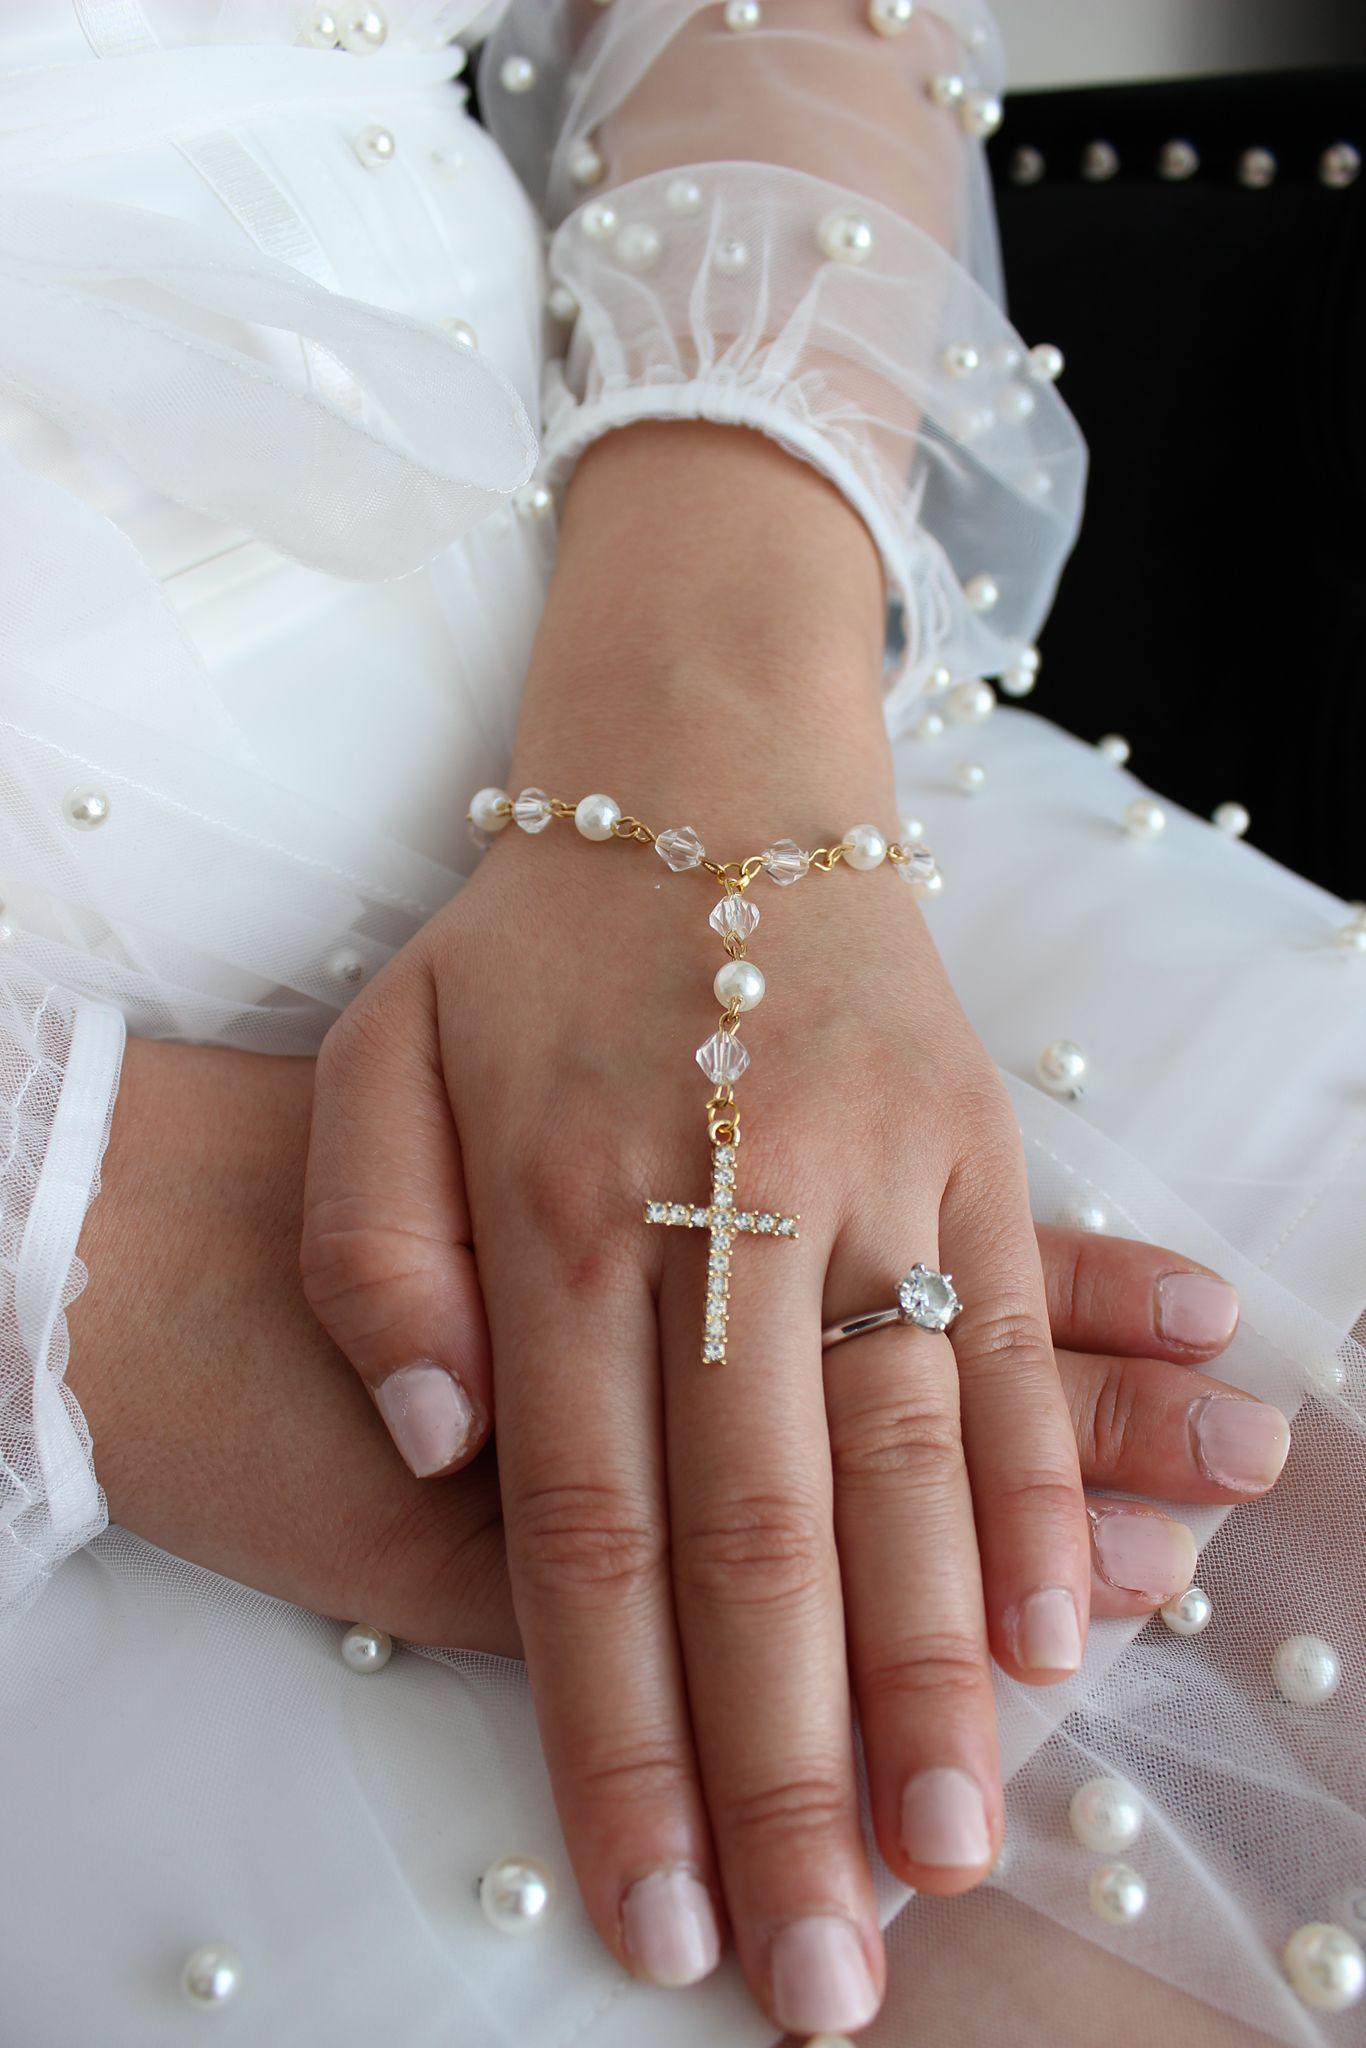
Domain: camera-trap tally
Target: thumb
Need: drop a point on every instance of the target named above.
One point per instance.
(387, 1262)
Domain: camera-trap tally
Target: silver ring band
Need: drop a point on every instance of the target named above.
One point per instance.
(925, 1299)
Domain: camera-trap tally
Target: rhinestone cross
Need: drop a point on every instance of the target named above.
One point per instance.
(723, 1220)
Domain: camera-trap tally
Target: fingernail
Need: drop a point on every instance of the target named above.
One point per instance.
(1241, 1444)
(427, 1415)
(821, 1980)
(944, 1820)
(1196, 1308)
(669, 1927)
(1139, 1553)
(1047, 1631)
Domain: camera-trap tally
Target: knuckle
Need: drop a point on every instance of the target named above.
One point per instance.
(1054, 1498)
(590, 1539)
(935, 1675)
(357, 1270)
(757, 1549)
(901, 1440)
(799, 1809)
(649, 1772)
(1007, 1335)
(1105, 1415)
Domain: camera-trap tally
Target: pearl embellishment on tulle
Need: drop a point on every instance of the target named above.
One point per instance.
(515, 1894)
(517, 75)
(1061, 1066)
(1190, 1612)
(1307, 1670)
(1106, 1815)
(1118, 1894)
(366, 1649)
(1144, 819)
(86, 809)
(212, 1975)
(1325, 1966)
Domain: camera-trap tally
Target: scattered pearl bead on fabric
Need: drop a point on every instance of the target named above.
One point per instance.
(516, 1893)
(890, 17)
(1086, 1216)
(323, 30)
(961, 359)
(517, 75)
(1189, 1613)
(982, 592)
(347, 967)
(731, 256)
(1307, 1670)
(1144, 819)
(586, 164)
(1106, 1815)
(638, 245)
(1017, 681)
(535, 501)
(1061, 1066)
(461, 333)
(971, 703)
(1339, 166)
(742, 15)
(375, 147)
(846, 237)
(86, 809)
(363, 31)
(683, 196)
(1044, 363)
(980, 114)
(1115, 748)
(1257, 169)
(212, 1975)
(561, 304)
(1099, 162)
(366, 1649)
(1118, 1894)
(598, 220)
(1015, 404)
(1178, 160)
(1325, 1966)
(946, 89)
(1233, 819)
(971, 777)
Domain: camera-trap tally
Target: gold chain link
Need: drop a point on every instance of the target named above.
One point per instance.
(734, 876)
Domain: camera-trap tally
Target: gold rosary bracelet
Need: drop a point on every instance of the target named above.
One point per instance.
(738, 986)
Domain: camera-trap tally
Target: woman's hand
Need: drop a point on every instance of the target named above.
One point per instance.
(229, 1430)
(692, 1550)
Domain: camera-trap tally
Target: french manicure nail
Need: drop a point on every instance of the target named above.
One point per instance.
(1047, 1631)
(668, 1924)
(1240, 1444)
(821, 1980)
(944, 1820)
(1196, 1308)
(1139, 1553)
(427, 1414)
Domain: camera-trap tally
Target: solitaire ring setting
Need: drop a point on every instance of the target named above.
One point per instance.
(925, 1298)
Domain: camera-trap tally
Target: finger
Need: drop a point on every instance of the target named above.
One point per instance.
(581, 1465)
(1140, 1558)
(1115, 1295)
(757, 1586)
(1021, 1453)
(386, 1259)
(913, 1588)
(1145, 1426)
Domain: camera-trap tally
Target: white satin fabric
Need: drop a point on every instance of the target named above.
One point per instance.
(269, 582)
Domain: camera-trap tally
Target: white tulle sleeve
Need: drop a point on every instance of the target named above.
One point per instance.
(778, 214)
(59, 1070)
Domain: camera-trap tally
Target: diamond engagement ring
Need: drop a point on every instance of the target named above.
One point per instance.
(925, 1298)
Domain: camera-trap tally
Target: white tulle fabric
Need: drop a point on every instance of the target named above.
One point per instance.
(268, 589)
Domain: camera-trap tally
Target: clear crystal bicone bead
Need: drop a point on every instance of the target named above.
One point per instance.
(735, 917)
(919, 865)
(722, 1057)
(531, 810)
(680, 847)
(927, 1298)
(785, 863)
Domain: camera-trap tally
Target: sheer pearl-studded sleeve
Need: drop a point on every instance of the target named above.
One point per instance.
(59, 1070)
(776, 213)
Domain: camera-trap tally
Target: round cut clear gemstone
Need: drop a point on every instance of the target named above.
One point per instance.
(928, 1299)
(678, 1213)
(713, 1353)
(763, 1223)
(699, 1217)
(656, 1212)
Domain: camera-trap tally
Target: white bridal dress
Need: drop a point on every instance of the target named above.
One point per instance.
(294, 356)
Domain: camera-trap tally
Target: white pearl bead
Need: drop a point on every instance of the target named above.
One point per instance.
(1178, 160)
(86, 808)
(561, 304)
(484, 812)
(973, 702)
(1015, 404)
(982, 592)
(1061, 1066)
(347, 966)
(638, 245)
(1086, 1216)
(1028, 166)
(375, 147)
(971, 777)
(980, 113)
(930, 727)
(535, 501)
(516, 1894)
(1006, 357)
(1233, 819)
(1339, 166)
(598, 221)
(946, 89)
(1190, 1612)
(1017, 681)
(1106, 1815)
(1326, 1967)
(586, 165)
(1352, 935)
(731, 256)
(1044, 363)
(363, 31)
(846, 237)
(938, 681)
(322, 30)
(1118, 1894)
(742, 15)
(7, 932)
(911, 831)
(890, 17)
(1115, 748)
(1307, 1670)
(517, 75)
(1099, 162)
(461, 333)
(595, 816)
(739, 981)
(1029, 658)
(972, 421)
(212, 1974)
(366, 1649)
(1256, 169)
(1143, 819)
(864, 847)
(683, 196)
(961, 359)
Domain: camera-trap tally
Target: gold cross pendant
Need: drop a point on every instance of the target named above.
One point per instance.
(723, 1220)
